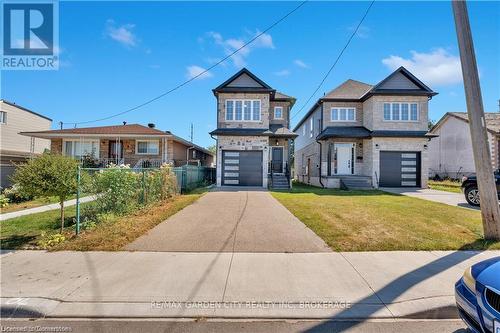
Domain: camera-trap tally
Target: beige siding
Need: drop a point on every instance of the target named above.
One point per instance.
(19, 120)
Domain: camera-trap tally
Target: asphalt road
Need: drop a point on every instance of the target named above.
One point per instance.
(189, 326)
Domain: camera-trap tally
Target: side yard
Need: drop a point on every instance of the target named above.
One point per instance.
(31, 231)
(379, 221)
(445, 185)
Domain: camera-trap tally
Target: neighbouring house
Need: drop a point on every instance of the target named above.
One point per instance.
(364, 136)
(253, 135)
(134, 144)
(14, 147)
(450, 154)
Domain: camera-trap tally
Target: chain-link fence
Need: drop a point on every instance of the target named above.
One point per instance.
(120, 190)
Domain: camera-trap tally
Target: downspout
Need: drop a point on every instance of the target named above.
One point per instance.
(187, 154)
(320, 148)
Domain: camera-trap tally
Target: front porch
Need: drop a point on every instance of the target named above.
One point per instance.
(279, 171)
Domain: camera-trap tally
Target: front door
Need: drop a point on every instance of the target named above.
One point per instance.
(344, 158)
(277, 159)
(115, 150)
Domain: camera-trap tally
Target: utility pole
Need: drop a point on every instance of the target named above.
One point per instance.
(490, 210)
(192, 132)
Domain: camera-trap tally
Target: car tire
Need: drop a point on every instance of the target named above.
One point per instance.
(472, 195)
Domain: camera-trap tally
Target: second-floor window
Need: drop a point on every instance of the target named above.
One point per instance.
(343, 114)
(400, 111)
(278, 112)
(243, 110)
(3, 117)
(311, 127)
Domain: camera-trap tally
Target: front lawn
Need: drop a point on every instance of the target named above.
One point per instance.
(379, 221)
(37, 202)
(445, 185)
(26, 231)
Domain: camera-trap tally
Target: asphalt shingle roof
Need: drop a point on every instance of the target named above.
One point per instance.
(492, 119)
(350, 89)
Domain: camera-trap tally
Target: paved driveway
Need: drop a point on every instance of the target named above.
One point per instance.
(227, 220)
(449, 198)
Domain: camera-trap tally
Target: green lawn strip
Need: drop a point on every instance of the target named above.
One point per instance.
(380, 221)
(24, 232)
(445, 185)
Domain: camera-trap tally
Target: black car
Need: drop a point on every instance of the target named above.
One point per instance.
(471, 192)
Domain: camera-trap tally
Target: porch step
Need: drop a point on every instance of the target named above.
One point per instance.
(357, 183)
(279, 182)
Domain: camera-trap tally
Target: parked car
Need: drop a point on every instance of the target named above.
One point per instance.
(477, 296)
(470, 190)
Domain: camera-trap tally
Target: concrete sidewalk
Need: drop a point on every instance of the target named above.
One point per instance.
(448, 198)
(356, 285)
(41, 209)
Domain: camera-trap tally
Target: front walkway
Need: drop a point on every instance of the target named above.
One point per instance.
(448, 198)
(44, 208)
(232, 219)
(345, 285)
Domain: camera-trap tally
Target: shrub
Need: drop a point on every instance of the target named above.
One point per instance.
(15, 195)
(4, 201)
(51, 240)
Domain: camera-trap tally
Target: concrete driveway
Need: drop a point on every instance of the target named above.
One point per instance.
(232, 219)
(449, 198)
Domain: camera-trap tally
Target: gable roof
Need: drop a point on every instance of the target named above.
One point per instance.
(492, 120)
(243, 80)
(130, 130)
(24, 109)
(350, 89)
(357, 91)
(395, 84)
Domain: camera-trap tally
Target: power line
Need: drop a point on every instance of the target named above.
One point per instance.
(197, 75)
(336, 60)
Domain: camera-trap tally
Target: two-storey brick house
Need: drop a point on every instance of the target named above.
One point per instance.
(253, 135)
(359, 135)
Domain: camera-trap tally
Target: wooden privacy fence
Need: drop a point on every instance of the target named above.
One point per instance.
(191, 176)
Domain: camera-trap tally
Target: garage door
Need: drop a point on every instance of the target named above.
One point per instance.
(243, 168)
(399, 169)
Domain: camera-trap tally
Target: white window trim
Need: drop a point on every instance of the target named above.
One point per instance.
(151, 154)
(243, 110)
(400, 120)
(342, 108)
(278, 107)
(3, 121)
(98, 146)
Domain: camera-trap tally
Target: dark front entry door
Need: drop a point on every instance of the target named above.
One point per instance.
(115, 150)
(277, 159)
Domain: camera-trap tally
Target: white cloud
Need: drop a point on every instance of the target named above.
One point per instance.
(284, 72)
(436, 68)
(193, 71)
(300, 63)
(122, 34)
(232, 44)
(363, 31)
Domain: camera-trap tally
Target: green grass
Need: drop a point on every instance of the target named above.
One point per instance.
(24, 232)
(445, 185)
(13, 207)
(379, 221)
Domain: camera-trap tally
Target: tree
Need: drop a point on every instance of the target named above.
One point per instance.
(46, 176)
(212, 149)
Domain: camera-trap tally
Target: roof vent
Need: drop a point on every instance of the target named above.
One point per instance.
(124, 123)
(151, 125)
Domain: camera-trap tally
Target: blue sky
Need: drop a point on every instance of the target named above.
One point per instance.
(115, 55)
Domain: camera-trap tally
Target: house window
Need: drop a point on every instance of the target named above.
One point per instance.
(194, 154)
(304, 130)
(400, 112)
(311, 127)
(77, 148)
(246, 110)
(150, 147)
(3, 117)
(343, 114)
(278, 112)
